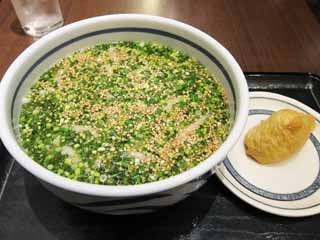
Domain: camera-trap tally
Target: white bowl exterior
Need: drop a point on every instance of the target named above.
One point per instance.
(126, 205)
(38, 49)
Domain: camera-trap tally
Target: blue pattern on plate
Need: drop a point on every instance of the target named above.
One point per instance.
(270, 195)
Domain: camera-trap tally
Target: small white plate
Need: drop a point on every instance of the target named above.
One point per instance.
(289, 188)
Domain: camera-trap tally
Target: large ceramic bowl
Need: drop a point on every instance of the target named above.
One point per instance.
(129, 27)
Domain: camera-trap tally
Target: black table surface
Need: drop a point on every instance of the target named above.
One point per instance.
(29, 211)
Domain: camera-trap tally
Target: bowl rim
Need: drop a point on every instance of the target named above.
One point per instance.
(46, 175)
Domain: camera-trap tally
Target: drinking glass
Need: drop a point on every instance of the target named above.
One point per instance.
(38, 17)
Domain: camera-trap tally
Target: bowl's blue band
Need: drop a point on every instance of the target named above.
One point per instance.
(113, 30)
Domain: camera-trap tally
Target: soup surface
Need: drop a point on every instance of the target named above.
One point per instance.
(124, 113)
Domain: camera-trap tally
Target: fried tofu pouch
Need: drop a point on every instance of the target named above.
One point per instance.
(279, 137)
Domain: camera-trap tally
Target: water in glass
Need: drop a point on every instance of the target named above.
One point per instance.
(38, 17)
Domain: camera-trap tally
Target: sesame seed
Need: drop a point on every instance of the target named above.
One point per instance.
(114, 99)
